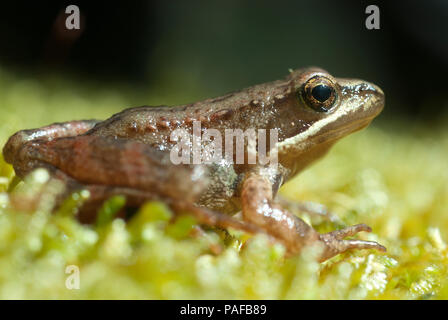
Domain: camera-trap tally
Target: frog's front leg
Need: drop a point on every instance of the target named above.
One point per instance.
(260, 209)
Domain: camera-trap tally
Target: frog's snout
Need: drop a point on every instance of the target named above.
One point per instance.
(373, 89)
(375, 96)
(377, 90)
(363, 96)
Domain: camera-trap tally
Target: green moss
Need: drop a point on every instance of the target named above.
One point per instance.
(393, 177)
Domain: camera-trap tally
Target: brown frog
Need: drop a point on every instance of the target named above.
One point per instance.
(129, 154)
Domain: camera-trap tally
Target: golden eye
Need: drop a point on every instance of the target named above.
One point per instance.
(319, 93)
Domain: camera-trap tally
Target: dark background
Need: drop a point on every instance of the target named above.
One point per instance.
(220, 46)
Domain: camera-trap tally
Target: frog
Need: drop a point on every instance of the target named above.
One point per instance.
(129, 155)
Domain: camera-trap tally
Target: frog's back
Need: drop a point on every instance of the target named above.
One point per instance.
(263, 106)
(150, 125)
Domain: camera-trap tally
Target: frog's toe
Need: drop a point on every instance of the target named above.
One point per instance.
(348, 231)
(334, 242)
(345, 245)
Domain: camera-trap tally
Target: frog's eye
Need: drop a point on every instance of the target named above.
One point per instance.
(319, 93)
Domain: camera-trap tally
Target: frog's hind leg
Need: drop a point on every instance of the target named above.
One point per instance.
(108, 166)
(135, 198)
(50, 132)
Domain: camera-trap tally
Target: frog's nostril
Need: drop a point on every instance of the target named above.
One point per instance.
(359, 87)
(375, 89)
(379, 90)
(376, 95)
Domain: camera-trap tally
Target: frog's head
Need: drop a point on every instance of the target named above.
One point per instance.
(330, 108)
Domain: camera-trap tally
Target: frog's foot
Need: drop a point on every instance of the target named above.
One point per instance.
(335, 244)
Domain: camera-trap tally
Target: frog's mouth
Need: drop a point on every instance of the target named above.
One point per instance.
(331, 135)
(326, 131)
(326, 135)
